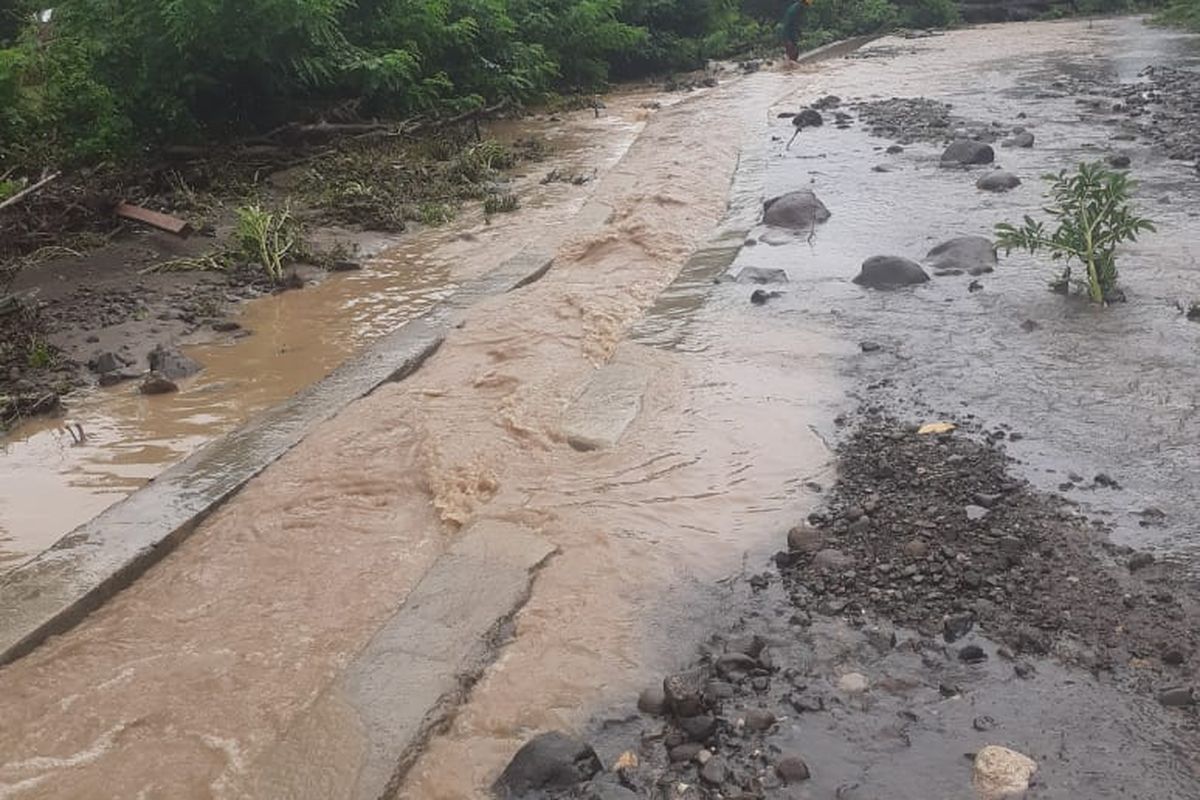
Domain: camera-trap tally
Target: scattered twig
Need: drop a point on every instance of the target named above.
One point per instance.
(28, 190)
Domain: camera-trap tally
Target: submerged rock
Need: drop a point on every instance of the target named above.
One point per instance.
(792, 769)
(107, 362)
(890, 272)
(762, 275)
(1000, 772)
(1022, 139)
(974, 255)
(808, 118)
(967, 152)
(551, 760)
(170, 363)
(998, 181)
(799, 210)
(157, 384)
(1119, 161)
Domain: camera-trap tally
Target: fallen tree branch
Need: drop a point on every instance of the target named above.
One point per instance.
(28, 190)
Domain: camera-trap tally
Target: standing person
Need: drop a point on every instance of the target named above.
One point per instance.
(792, 20)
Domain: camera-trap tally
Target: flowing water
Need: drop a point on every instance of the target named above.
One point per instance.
(52, 483)
(176, 687)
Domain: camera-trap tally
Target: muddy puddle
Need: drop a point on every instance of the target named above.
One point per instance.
(54, 483)
(182, 682)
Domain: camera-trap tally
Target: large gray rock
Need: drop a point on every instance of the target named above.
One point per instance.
(998, 181)
(966, 151)
(890, 272)
(171, 363)
(975, 255)
(157, 384)
(107, 362)
(551, 760)
(799, 210)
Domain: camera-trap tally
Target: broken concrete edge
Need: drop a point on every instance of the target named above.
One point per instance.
(476, 662)
(361, 732)
(54, 591)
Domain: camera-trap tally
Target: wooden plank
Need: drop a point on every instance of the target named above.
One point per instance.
(164, 222)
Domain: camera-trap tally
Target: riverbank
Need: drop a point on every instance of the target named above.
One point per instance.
(933, 609)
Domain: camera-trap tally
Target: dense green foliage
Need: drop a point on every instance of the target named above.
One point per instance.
(107, 79)
(1094, 215)
(1184, 13)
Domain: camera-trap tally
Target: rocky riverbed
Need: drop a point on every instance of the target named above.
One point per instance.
(937, 629)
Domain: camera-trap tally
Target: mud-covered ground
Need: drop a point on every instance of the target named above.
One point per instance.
(101, 285)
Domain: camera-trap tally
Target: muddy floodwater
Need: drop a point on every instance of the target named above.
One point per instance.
(53, 483)
(179, 686)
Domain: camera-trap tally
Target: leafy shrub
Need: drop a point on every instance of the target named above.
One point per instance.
(269, 238)
(930, 14)
(1094, 216)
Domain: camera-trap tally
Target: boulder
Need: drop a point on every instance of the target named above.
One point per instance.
(967, 152)
(998, 181)
(805, 539)
(974, 255)
(762, 275)
(890, 272)
(1000, 772)
(171, 363)
(553, 760)
(799, 210)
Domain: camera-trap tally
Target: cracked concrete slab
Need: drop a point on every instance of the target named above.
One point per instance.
(406, 682)
(606, 407)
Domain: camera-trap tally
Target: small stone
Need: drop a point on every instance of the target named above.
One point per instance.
(957, 626)
(1173, 657)
(972, 654)
(685, 752)
(759, 719)
(987, 500)
(792, 769)
(684, 692)
(698, 728)
(652, 701)
(805, 539)
(1139, 561)
(225, 326)
(760, 297)
(983, 723)
(714, 773)
(1177, 697)
(916, 548)
(732, 663)
(975, 513)
(853, 683)
(156, 384)
(703, 756)
(345, 265)
(831, 559)
(1000, 772)
(870, 347)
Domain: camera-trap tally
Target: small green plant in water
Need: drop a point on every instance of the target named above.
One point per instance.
(1094, 215)
(40, 355)
(268, 237)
